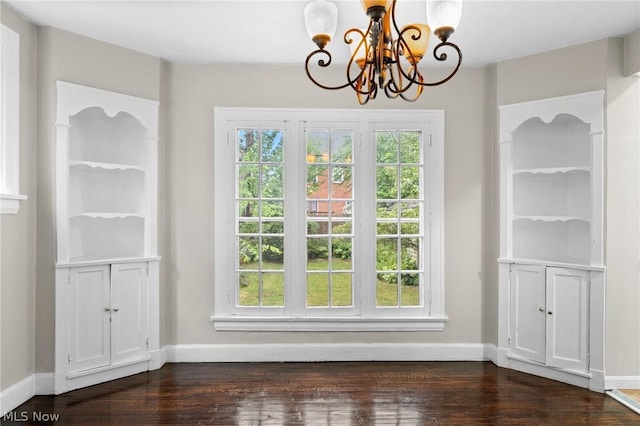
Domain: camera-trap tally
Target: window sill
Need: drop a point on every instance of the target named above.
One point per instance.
(328, 324)
(10, 203)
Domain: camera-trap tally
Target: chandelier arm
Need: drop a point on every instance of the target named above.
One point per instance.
(417, 94)
(322, 63)
(399, 45)
(356, 83)
(443, 57)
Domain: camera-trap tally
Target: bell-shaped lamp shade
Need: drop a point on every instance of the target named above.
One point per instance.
(416, 37)
(321, 19)
(444, 14)
(367, 4)
(358, 49)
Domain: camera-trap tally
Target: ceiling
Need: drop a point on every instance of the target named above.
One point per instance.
(262, 31)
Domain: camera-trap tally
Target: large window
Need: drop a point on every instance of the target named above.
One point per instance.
(328, 220)
(10, 121)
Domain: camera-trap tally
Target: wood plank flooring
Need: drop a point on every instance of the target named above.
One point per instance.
(336, 393)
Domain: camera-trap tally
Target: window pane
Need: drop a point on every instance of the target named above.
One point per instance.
(272, 289)
(272, 146)
(341, 250)
(410, 147)
(249, 288)
(387, 254)
(317, 146)
(341, 182)
(387, 182)
(409, 251)
(317, 185)
(398, 255)
(272, 253)
(410, 228)
(248, 208)
(248, 146)
(248, 227)
(387, 147)
(248, 252)
(272, 209)
(260, 242)
(410, 209)
(317, 253)
(387, 228)
(317, 289)
(410, 295)
(272, 181)
(341, 289)
(387, 290)
(272, 227)
(341, 146)
(341, 227)
(410, 181)
(248, 181)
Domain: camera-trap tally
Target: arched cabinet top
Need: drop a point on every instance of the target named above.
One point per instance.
(588, 107)
(73, 98)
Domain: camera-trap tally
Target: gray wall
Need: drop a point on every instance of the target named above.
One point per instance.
(18, 232)
(76, 59)
(192, 93)
(188, 95)
(597, 66)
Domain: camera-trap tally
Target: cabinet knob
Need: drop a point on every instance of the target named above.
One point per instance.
(107, 309)
(550, 313)
(541, 309)
(117, 309)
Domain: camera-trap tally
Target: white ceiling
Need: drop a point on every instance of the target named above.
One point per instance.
(262, 31)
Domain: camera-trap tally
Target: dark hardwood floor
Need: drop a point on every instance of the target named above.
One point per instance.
(336, 393)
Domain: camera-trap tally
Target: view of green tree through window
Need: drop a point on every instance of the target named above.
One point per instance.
(329, 215)
(329, 219)
(399, 197)
(260, 204)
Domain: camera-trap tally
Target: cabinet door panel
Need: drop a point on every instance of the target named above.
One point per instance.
(567, 295)
(129, 319)
(89, 317)
(527, 320)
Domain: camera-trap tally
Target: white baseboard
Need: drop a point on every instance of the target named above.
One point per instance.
(326, 352)
(622, 382)
(17, 394)
(45, 383)
(491, 353)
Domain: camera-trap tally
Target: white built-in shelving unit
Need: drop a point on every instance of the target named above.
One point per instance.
(106, 212)
(551, 241)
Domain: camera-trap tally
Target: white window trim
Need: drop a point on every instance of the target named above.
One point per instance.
(10, 115)
(293, 121)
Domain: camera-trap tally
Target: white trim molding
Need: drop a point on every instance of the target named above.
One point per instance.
(238, 323)
(622, 382)
(319, 352)
(10, 196)
(17, 394)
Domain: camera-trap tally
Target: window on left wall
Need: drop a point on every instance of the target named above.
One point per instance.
(10, 119)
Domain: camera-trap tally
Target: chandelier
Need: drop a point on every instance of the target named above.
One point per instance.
(379, 59)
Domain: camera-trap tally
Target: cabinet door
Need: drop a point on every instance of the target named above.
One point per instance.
(526, 312)
(89, 317)
(567, 312)
(129, 311)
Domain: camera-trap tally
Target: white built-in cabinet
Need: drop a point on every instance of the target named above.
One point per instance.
(551, 265)
(107, 265)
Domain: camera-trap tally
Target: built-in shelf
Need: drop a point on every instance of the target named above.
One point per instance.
(106, 166)
(552, 170)
(551, 265)
(103, 215)
(551, 218)
(107, 266)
